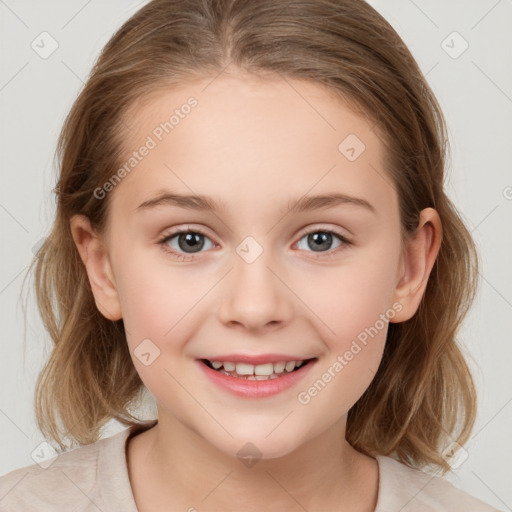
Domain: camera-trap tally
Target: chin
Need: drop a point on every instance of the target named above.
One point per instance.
(251, 448)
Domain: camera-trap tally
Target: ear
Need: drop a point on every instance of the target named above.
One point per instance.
(418, 258)
(97, 264)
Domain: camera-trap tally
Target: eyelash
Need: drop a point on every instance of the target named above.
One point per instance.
(184, 257)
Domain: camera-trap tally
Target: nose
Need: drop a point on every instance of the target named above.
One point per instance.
(254, 295)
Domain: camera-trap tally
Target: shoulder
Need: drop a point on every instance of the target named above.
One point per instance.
(407, 489)
(68, 481)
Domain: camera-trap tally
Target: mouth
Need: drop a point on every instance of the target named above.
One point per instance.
(259, 372)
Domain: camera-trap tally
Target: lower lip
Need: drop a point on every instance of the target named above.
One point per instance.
(256, 388)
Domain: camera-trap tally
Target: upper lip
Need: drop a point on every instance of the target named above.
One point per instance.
(256, 359)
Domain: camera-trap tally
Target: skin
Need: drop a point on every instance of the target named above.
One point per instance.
(255, 144)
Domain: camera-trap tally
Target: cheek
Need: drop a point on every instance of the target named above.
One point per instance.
(354, 344)
(353, 309)
(352, 297)
(156, 297)
(160, 306)
(157, 303)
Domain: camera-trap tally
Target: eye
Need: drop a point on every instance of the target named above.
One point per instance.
(188, 241)
(184, 244)
(321, 241)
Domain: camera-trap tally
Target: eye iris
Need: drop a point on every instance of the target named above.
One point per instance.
(320, 239)
(194, 240)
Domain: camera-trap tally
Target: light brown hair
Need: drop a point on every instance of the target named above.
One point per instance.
(423, 395)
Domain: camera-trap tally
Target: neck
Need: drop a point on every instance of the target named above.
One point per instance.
(171, 464)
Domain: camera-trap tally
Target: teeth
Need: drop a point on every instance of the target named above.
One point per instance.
(279, 367)
(243, 369)
(256, 372)
(252, 377)
(290, 366)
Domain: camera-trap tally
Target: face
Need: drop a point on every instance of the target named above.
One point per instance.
(256, 275)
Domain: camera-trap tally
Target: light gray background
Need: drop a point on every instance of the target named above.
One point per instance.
(475, 92)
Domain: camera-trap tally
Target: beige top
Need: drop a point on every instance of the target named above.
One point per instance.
(95, 478)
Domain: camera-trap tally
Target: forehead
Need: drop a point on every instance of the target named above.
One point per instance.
(241, 138)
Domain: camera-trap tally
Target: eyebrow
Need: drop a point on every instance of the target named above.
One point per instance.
(203, 203)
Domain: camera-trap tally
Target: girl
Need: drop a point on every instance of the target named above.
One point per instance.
(252, 226)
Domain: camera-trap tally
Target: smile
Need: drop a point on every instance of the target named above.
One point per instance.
(255, 381)
(246, 371)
